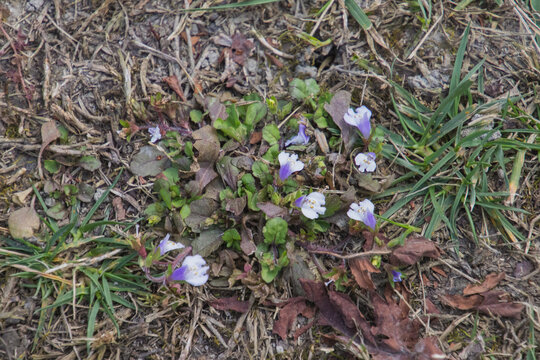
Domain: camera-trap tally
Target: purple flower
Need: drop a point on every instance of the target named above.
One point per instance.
(300, 139)
(193, 271)
(156, 134)
(396, 276)
(167, 245)
(289, 164)
(365, 162)
(363, 211)
(311, 205)
(359, 118)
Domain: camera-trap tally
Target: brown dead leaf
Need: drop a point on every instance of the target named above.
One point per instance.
(236, 205)
(247, 244)
(361, 269)
(241, 48)
(207, 144)
(462, 302)
(216, 110)
(119, 209)
(49, 133)
(337, 108)
(413, 249)
(255, 137)
(271, 210)
(489, 283)
(351, 314)
(173, 83)
(288, 314)
(22, 223)
(231, 303)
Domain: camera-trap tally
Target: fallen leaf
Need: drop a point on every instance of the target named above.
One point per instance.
(149, 161)
(361, 269)
(207, 144)
(490, 303)
(489, 283)
(231, 303)
(522, 269)
(119, 209)
(236, 205)
(338, 106)
(49, 133)
(22, 223)
(207, 242)
(247, 244)
(216, 110)
(204, 176)
(272, 210)
(241, 48)
(413, 249)
(201, 210)
(228, 172)
(287, 316)
(173, 83)
(462, 302)
(351, 314)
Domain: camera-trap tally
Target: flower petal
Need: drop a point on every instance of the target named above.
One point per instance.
(370, 221)
(309, 213)
(283, 158)
(285, 171)
(318, 197)
(298, 202)
(365, 128)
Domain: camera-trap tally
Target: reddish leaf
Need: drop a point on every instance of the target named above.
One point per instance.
(351, 314)
(205, 175)
(236, 205)
(172, 81)
(287, 315)
(241, 48)
(489, 283)
(497, 303)
(216, 110)
(427, 349)
(413, 249)
(231, 303)
(271, 210)
(361, 269)
(462, 302)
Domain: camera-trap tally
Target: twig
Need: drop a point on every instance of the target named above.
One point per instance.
(350, 256)
(318, 23)
(419, 45)
(263, 41)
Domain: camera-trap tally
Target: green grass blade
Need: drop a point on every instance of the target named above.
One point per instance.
(100, 200)
(444, 161)
(92, 315)
(458, 64)
(358, 14)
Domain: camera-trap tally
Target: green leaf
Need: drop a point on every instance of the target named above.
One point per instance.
(51, 166)
(254, 113)
(230, 6)
(195, 116)
(358, 14)
(248, 182)
(162, 187)
(259, 169)
(232, 126)
(312, 87)
(89, 163)
(185, 211)
(297, 89)
(271, 134)
(272, 154)
(275, 231)
(92, 315)
(232, 238)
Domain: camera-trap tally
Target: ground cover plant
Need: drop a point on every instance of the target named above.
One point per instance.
(269, 179)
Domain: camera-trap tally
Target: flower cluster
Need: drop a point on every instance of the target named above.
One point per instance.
(289, 164)
(312, 205)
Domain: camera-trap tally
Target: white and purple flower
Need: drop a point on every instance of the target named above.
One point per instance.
(193, 271)
(167, 245)
(289, 164)
(363, 211)
(300, 139)
(312, 205)
(396, 276)
(365, 162)
(359, 118)
(156, 134)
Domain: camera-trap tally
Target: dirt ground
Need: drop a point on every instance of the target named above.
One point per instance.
(90, 65)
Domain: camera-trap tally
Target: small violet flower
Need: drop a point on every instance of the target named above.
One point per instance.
(312, 205)
(363, 211)
(359, 118)
(300, 139)
(365, 162)
(192, 271)
(156, 134)
(167, 245)
(396, 276)
(289, 164)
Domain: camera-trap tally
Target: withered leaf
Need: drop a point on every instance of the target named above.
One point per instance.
(247, 244)
(241, 48)
(236, 205)
(231, 303)
(173, 83)
(22, 223)
(49, 133)
(287, 315)
(207, 144)
(337, 108)
(228, 172)
(205, 175)
(351, 314)
(462, 302)
(414, 248)
(490, 303)
(201, 210)
(216, 110)
(361, 269)
(489, 283)
(272, 210)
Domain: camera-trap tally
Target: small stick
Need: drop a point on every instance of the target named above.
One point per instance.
(269, 47)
